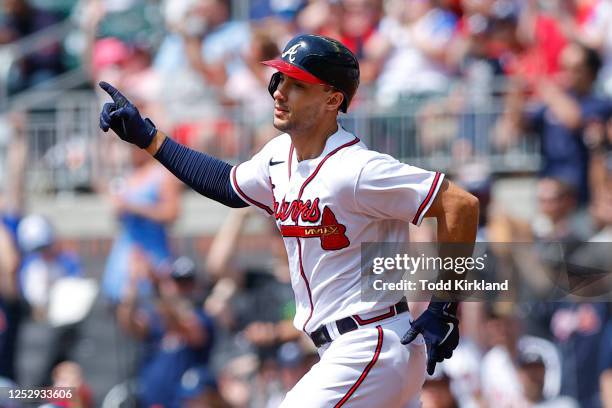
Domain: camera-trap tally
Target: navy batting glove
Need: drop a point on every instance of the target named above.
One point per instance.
(124, 119)
(440, 328)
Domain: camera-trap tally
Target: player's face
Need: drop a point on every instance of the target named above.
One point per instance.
(298, 105)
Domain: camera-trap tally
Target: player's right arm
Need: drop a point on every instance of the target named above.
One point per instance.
(389, 189)
(205, 174)
(456, 212)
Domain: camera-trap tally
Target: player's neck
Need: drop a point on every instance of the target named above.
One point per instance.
(309, 145)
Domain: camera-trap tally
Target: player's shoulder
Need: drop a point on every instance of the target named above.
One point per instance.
(367, 165)
(361, 155)
(353, 159)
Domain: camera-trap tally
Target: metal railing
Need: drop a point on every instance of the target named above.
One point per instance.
(430, 135)
(69, 153)
(11, 53)
(62, 143)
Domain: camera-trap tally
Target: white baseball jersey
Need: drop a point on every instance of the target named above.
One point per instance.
(325, 208)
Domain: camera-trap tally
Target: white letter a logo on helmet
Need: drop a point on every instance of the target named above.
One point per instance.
(291, 52)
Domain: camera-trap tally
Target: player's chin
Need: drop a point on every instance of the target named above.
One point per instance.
(281, 124)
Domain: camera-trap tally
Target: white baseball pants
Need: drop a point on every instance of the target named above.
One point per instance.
(365, 368)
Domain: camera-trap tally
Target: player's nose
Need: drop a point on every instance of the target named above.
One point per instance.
(281, 92)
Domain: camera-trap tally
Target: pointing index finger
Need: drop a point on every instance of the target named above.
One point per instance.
(114, 93)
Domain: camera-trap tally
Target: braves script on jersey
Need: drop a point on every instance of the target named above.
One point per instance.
(326, 207)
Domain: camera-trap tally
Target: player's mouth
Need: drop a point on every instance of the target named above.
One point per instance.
(280, 111)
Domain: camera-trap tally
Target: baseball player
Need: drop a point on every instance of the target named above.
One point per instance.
(328, 193)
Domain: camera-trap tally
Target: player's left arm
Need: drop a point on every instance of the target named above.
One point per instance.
(456, 212)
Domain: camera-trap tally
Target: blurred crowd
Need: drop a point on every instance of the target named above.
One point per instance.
(457, 78)
(215, 330)
(210, 331)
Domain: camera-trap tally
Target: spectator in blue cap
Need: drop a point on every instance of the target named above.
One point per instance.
(45, 266)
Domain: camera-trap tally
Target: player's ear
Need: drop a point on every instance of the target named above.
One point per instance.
(334, 100)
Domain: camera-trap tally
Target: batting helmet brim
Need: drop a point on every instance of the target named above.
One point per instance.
(293, 71)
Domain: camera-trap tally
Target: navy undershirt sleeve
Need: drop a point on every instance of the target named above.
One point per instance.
(207, 175)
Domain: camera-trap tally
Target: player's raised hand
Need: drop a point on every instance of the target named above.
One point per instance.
(440, 328)
(124, 119)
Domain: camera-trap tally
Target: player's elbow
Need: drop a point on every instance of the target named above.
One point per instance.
(461, 209)
(469, 208)
(471, 205)
(459, 223)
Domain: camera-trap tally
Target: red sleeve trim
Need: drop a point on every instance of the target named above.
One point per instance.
(428, 200)
(365, 372)
(246, 197)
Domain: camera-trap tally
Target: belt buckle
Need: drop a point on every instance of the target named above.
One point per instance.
(320, 336)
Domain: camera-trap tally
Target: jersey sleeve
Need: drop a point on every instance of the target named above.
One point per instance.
(251, 180)
(389, 189)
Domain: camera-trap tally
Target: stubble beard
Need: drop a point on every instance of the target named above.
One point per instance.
(308, 119)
